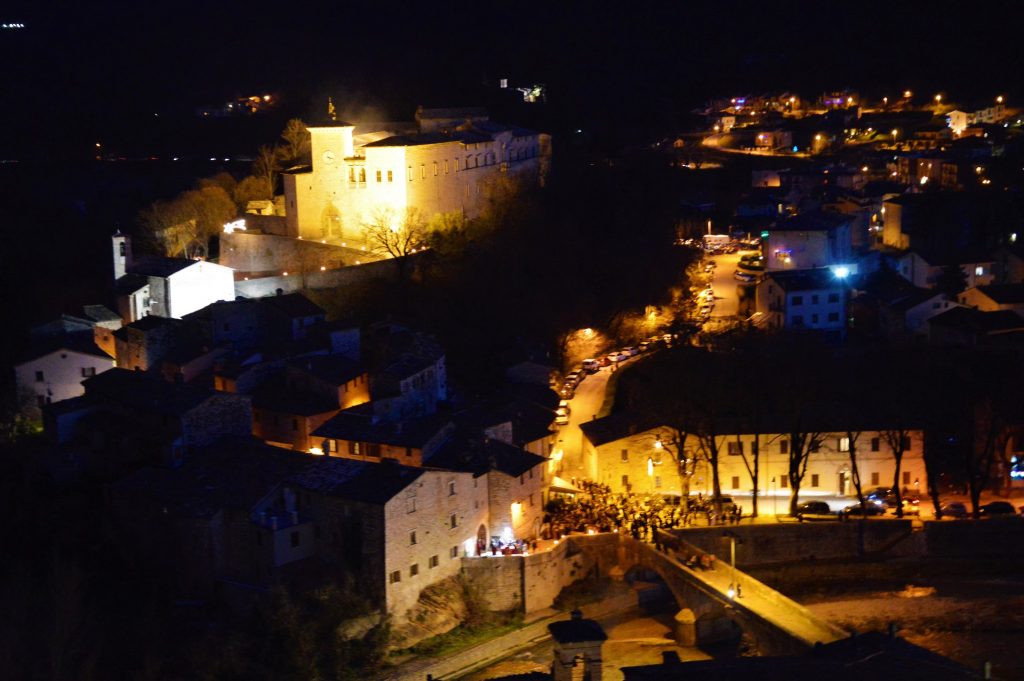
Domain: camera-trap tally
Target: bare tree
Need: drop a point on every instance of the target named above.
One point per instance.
(802, 443)
(897, 438)
(265, 166)
(296, 142)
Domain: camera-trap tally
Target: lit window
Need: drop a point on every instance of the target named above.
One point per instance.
(391, 176)
(378, 176)
(979, 271)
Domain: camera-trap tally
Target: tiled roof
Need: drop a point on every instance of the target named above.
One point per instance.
(356, 424)
(804, 280)
(1004, 294)
(145, 392)
(374, 483)
(158, 266)
(75, 342)
(465, 450)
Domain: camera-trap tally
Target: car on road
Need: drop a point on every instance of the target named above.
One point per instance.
(576, 376)
(869, 508)
(911, 506)
(561, 419)
(745, 277)
(815, 510)
(591, 365)
(563, 411)
(567, 392)
(954, 509)
(644, 346)
(615, 357)
(629, 351)
(994, 508)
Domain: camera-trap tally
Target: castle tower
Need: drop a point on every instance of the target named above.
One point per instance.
(578, 645)
(122, 251)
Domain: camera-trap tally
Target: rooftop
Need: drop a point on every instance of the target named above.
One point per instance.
(804, 280)
(1004, 294)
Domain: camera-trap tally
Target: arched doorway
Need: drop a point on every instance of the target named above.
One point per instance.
(330, 222)
(481, 540)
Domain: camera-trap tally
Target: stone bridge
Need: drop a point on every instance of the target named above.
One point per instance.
(709, 614)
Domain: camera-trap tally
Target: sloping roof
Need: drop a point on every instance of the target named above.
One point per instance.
(356, 424)
(74, 342)
(804, 280)
(100, 313)
(374, 483)
(976, 320)
(334, 369)
(274, 397)
(1004, 294)
(464, 450)
(158, 266)
(952, 256)
(130, 283)
(141, 391)
(294, 305)
(913, 299)
(615, 426)
(233, 474)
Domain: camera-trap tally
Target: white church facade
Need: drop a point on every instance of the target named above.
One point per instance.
(447, 162)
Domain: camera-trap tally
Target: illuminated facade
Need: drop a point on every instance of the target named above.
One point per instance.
(448, 161)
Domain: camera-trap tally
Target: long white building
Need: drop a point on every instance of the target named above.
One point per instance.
(448, 161)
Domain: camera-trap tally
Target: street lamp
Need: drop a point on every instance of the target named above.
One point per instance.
(907, 94)
(734, 585)
(938, 99)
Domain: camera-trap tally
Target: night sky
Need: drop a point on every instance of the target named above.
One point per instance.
(86, 69)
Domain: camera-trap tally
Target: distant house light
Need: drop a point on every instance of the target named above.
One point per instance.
(841, 272)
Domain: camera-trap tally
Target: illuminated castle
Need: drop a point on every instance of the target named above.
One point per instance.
(447, 162)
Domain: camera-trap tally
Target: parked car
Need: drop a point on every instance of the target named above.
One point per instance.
(630, 351)
(869, 508)
(745, 277)
(878, 493)
(561, 419)
(564, 403)
(591, 365)
(728, 505)
(567, 392)
(994, 508)
(603, 361)
(954, 509)
(644, 346)
(563, 411)
(911, 506)
(815, 510)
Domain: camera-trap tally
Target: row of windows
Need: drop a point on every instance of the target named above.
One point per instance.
(414, 569)
(799, 300)
(87, 372)
(798, 320)
(816, 480)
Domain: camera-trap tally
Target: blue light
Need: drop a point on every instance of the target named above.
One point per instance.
(841, 272)
(796, 148)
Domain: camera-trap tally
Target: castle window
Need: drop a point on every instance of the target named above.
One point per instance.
(456, 165)
(123, 249)
(435, 168)
(378, 176)
(454, 552)
(453, 521)
(362, 175)
(423, 171)
(408, 173)
(391, 176)
(446, 166)
(394, 577)
(433, 562)
(351, 174)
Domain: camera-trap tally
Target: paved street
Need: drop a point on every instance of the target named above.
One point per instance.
(590, 396)
(724, 284)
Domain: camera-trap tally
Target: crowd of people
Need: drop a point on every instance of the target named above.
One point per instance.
(601, 511)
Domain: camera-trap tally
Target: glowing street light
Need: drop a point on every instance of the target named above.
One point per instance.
(999, 99)
(938, 99)
(907, 94)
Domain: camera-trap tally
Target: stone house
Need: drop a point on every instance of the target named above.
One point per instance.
(993, 297)
(55, 369)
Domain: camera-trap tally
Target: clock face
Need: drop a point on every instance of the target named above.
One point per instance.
(328, 157)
